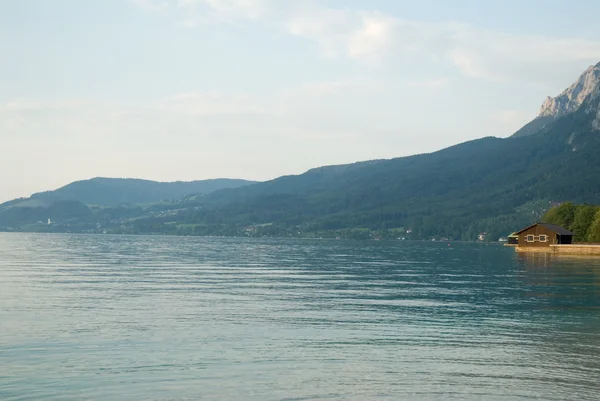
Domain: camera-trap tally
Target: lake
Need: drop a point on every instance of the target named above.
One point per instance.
(87, 317)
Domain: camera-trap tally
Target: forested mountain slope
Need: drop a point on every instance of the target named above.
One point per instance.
(473, 187)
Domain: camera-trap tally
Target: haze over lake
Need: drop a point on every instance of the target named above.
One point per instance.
(174, 318)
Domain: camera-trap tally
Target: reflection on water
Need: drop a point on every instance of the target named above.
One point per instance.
(536, 259)
(164, 318)
(564, 281)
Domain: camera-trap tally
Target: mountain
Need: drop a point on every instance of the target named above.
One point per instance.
(569, 101)
(116, 191)
(487, 185)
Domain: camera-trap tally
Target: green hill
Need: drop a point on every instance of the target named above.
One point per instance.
(116, 191)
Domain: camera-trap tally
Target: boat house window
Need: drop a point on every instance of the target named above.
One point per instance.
(530, 238)
(543, 238)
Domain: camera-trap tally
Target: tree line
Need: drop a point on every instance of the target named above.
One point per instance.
(583, 220)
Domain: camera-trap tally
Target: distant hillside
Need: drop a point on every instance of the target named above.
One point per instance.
(59, 210)
(116, 191)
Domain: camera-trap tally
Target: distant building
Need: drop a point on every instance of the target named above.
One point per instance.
(542, 235)
(49, 221)
(513, 239)
(481, 236)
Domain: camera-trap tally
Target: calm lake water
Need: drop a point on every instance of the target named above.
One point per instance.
(170, 318)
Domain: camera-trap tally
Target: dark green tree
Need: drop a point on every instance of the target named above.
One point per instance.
(583, 219)
(594, 229)
(562, 215)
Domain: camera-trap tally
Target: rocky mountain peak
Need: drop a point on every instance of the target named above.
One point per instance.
(569, 101)
(572, 98)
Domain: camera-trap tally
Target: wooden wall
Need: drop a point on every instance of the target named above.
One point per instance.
(536, 231)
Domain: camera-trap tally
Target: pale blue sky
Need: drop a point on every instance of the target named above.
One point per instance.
(195, 89)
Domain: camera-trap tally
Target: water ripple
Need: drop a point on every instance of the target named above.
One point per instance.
(165, 318)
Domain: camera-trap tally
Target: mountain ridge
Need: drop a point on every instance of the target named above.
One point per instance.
(106, 191)
(567, 102)
(489, 185)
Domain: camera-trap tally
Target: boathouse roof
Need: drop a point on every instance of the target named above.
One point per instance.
(552, 227)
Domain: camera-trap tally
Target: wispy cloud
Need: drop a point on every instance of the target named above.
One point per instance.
(374, 36)
(357, 35)
(500, 56)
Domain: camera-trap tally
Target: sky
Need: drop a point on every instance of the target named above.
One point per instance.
(195, 89)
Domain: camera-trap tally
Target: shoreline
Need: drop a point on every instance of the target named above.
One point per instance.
(564, 249)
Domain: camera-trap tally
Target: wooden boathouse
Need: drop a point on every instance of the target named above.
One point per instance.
(543, 235)
(550, 238)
